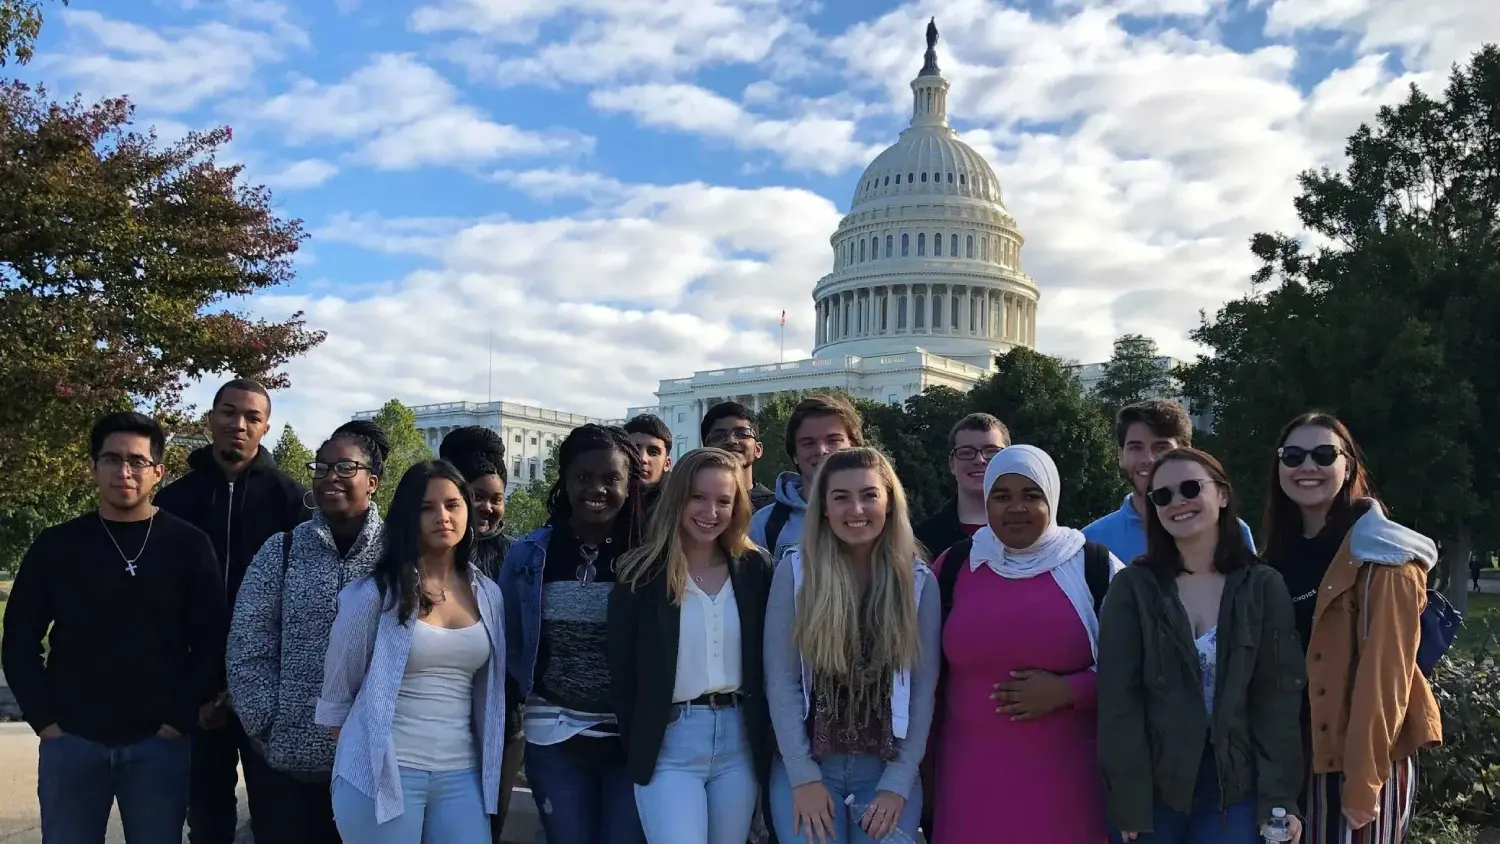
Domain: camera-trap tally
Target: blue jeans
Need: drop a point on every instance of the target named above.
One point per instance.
(79, 780)
(1207, 823)
(579, 802)
(439, 807)
(842, 776)
(703, 790)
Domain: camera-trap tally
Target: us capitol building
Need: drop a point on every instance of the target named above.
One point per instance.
(926, 289)
(926, 286)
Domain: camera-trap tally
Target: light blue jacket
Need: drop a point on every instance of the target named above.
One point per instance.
(366, 660)
(789, 494)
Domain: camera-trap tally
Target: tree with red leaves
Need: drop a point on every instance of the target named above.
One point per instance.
(120, 261)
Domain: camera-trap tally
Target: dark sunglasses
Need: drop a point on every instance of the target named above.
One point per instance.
(969, 452)
(1293, 456)
(1188, 489)
(342, 469)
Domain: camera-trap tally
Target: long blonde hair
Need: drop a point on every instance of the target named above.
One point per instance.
(661, 551)
(834, 620)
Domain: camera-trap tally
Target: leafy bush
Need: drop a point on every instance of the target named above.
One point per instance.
(1461, 780)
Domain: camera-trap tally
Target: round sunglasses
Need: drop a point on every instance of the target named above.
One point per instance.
(1188, 490)
(1293, 456)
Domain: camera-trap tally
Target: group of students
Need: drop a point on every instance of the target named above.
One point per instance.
(677, 665)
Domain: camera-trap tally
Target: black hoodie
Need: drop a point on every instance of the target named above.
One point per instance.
(238, 516)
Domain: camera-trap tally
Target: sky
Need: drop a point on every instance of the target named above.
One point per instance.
(562, 202)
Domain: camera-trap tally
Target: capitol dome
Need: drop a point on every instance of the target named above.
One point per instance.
(928, 256)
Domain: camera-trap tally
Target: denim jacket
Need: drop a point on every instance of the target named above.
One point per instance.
(521, 585)
(366, 660)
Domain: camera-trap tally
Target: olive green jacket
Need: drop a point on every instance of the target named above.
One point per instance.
(1153, 725)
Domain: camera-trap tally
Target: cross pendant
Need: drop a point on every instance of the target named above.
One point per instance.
(130, 567)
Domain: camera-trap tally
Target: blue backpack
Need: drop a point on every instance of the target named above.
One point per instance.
(1440, 623)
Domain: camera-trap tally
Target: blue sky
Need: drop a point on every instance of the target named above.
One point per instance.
(629, 190)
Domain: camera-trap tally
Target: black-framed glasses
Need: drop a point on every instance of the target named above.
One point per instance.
(1188, 490)
(342, 469)
(1293, 456)
(969, 452)
(113, 462)
(723, 436)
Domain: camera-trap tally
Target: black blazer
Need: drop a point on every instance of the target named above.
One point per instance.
(642, 643)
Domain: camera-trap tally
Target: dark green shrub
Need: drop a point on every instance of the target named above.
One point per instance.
(1460, 781)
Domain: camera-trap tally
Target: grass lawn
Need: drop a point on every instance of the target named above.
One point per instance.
(1481, 622)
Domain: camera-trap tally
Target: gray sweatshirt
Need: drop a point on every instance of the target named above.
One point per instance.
(786, 693)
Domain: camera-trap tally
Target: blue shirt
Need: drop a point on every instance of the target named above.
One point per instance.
(1123, 532)
(366, 661)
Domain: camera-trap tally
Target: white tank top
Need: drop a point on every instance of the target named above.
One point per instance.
(432, 726)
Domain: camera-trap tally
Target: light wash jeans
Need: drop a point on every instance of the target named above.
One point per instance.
(442, 807)
(704, 789)
(842, 776)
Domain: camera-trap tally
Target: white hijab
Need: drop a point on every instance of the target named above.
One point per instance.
(1058, 551)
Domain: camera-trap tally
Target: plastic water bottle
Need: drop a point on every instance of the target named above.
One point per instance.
(1277, 829)
(857, 811)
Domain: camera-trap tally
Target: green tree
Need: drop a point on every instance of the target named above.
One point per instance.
(1133, 374)
(1042, 402)
(408, 447)
(121, 260)
(292, 456)
(916, 438)
(1391, 324)
(525, 511)
(20, 23)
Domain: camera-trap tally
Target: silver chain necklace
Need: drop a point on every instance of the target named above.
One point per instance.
(129, 561)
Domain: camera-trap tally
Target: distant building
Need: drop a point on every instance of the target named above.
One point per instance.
(529, 432)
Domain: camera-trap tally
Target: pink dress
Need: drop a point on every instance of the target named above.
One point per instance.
(999, 781)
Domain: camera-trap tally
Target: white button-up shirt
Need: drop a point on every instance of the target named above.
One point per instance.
(708, 644)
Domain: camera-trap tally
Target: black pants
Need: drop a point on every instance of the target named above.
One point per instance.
(213, 813)
(282, 809)
(300, 812)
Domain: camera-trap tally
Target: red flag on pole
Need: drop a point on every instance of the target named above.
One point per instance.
(783, 317)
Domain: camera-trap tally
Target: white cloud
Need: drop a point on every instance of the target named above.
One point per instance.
(301, 175)
(589, 312)
(174, 69)
(402, 114)
(810, 142)
(1437, 33)
(612, 39)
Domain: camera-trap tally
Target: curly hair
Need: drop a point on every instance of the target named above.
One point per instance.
(630, 524)
(370, 439)
(475, 451)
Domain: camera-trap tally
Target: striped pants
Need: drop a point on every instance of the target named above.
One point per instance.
(1325, 818)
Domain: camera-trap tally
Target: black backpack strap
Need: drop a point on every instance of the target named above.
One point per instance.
(780, 514)
(1096, 571)
(955, 561)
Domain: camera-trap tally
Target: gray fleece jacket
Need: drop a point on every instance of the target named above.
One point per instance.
(282, 620)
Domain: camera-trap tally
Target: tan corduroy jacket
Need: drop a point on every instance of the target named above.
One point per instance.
(1370, 704)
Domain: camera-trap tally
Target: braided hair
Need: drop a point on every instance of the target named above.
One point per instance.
(368, 437)
(475, 451)
(630, 523)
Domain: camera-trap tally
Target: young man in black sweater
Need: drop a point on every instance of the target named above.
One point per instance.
(135, 651)
(236, 494)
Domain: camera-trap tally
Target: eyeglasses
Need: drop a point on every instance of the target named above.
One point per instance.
(1188, 489)
(1293, 456)
(113, 462)
(723, 436)
(342, 469)
(969, 452)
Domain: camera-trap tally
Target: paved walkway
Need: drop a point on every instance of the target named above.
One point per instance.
(20, 823)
